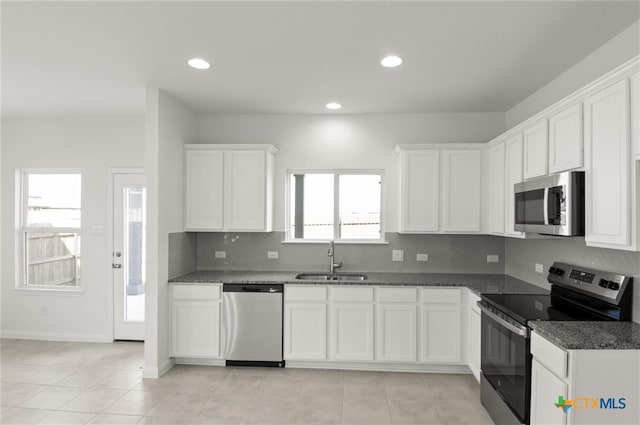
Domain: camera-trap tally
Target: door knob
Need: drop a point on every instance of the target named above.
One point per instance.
(116, 266)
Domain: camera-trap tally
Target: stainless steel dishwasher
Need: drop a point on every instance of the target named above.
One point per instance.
(252, 324)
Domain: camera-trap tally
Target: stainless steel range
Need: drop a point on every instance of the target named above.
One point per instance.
(577, 293)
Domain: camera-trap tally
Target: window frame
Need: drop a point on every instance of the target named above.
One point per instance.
(23, 231)
(289, 238)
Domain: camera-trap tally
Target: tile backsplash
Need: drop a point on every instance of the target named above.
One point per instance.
(182, 253)
(446, 253)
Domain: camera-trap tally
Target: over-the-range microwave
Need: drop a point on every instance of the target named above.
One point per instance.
(552, 205)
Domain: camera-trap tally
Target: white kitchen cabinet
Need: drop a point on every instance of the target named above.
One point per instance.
(461, 190)
(440, 326)
(514, 156)
(196, 321)
(351, 331)
(229, 187)
(497, 188)
(608, 163)
(545, 390)
(305, 331)
(439, 188)
(565, 140)
(536, 146)
(204, 189)
(419, 190)
(396, 332)
(635, 113)
(473, 332)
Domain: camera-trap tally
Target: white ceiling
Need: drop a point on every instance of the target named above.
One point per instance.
(293, 57)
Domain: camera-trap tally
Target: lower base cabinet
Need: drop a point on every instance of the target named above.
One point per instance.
(396, 333)
(474, 328)
(441, 337)
(545, 388)
(305, 331)
(196, 321)
(351, 331)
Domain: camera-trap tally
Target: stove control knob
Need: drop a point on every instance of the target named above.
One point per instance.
(555, 270)
(614, 285)
(604, 283)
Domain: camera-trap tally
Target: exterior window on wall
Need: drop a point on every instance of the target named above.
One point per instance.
(51, 214)
(344, 206)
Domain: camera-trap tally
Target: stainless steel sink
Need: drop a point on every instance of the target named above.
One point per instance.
(332, 276)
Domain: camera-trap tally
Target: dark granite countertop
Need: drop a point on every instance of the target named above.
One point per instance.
(479, 283)
(590, 335)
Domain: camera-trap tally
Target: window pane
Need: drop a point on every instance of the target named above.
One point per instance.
(313, 217)
(135, 202)
(359, 206)
(53, 258)
(53, 200)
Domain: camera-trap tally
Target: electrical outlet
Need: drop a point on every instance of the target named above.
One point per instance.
(422, 257)
(272, 255)
(397, 255)
(492, 258)
(44, 311)
(221, 254)
(539, 268)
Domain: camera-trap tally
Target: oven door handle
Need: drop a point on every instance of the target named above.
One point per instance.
(545, 206)
(519, 330)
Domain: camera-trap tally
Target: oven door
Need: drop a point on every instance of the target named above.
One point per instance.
(506, 360)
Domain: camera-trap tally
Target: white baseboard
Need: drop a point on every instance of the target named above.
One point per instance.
(381, 367)
(53, 336)
(200, 362)
(156, 372)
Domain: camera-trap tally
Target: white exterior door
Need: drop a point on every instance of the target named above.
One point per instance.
(128, 257)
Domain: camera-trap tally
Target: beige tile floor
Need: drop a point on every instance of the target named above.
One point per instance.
(85, 383)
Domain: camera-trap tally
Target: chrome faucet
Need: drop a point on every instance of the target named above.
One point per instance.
(332, 264)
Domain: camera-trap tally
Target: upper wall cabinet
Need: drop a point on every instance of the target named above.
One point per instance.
(497, 188)
(513, 175)
(536, 145)
(608, 163)
(565, 139)
(229, 187)
(635, 113)
(424, 170)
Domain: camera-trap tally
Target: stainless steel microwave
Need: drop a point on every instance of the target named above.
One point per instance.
(552, 205)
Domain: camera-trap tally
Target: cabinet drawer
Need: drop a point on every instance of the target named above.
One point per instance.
(397, 295)
(440, 295)
(305, 293)
(200, 292)
(352, 294)
(551, 356)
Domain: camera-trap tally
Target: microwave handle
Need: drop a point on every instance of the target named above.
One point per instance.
(545, 205)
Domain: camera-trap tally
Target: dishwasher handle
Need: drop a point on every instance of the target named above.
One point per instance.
(253, 287)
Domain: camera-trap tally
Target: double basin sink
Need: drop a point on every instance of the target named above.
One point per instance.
(332, 276)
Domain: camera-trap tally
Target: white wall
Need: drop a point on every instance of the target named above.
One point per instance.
(92, 145)
(346, 141)
(615, 52)
(169, 125)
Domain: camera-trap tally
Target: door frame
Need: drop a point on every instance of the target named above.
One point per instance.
(110, 248)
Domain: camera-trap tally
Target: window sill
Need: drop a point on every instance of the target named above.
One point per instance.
(65, 292)
(325, 242)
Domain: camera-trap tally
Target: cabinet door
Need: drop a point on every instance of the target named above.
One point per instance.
(196, 329)
(203, 189)
(474, 343)
(513, 175)
(535, 150)
(351, 331)
(545, 390)
(440, 333)
(419, 181)
(607, 154)
(565, 139)
(305, 331)
(635, 112)
(496, 188)
(245, 190)
(396, 332)
(461, 190)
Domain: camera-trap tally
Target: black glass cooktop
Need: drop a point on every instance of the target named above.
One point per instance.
(527, 307)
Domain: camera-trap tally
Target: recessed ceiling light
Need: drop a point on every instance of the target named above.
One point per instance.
(333, 105)
(199, 63)
(391, 61)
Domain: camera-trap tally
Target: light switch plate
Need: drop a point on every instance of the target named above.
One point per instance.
(221, 254)
(422, 257)
(539, 268)
(272, 255)
(493, 258)
(397, 255)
